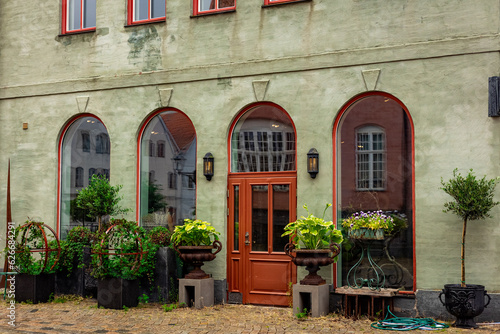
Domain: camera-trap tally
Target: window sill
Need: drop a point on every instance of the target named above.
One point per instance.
(79, 32)
(141, 23)
(285, 3)
(215, 13)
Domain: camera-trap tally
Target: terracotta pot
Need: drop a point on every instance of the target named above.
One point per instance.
(197, 255)
(312, 259)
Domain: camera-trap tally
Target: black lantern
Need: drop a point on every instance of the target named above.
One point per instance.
(178, 162)
(208, 166)
(313, 162)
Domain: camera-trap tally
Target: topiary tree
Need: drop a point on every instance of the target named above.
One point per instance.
(100, 199)
(472, 200)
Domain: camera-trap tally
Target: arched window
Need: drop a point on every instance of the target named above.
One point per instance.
(263, 140)
(374, 171)
(370, 158)
(75, 158)
(166, 135)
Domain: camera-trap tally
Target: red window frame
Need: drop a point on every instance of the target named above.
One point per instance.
(65, 29)
(131, 12)
(197, 11)
(274, 2)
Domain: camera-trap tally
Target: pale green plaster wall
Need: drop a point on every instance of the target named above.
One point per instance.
(435, 58)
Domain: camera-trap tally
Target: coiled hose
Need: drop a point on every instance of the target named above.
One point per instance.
(407, 324)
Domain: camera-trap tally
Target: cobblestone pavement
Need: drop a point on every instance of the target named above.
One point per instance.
(84, 317)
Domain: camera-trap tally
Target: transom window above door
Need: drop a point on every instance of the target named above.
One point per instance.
(211, 6)
(145, 11)
(263, 140)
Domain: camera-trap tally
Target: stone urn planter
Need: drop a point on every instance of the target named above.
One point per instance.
(197, 255)
(312, 259)
(364, 233)
(464, 303)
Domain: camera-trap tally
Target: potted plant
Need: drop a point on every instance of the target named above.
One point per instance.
(371, 225)
(312, 241)
(120, 256)
(36, 256)
(194, 242)
(74, 261)
(472, 200)
(99, 199)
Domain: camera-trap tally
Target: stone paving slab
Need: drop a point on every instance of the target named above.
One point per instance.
(84, 317)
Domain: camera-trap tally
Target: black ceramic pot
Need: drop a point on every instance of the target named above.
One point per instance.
(464, 303)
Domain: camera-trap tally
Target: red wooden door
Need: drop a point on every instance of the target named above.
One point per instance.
(259, 208)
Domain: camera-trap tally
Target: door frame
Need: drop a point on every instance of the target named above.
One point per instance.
(239, 260)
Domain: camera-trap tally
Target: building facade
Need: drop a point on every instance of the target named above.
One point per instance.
(392, 94)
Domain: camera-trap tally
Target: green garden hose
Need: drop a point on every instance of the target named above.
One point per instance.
(407, 324)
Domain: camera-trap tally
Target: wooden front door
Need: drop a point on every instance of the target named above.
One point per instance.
(259, 272)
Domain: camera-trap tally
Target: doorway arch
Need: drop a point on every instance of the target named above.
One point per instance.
(373, 169)
(261, 200)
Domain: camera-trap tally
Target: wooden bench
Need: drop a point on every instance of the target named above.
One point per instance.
(366, 301)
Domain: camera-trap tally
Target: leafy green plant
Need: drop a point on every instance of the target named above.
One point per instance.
(312, 232)
(72, 249)
(301, 315)
(144, 299)
(169, 307)
(194, 233)
(32, 255)
(100, 199)
(118, 253)
(160, 236)
(472, 200)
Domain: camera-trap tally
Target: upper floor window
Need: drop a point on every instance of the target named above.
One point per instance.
(79, 177)
(161, 149)
(78, 15)
(370, 158)
(209, 6)
(143, 11)
(85, 142)
(102, 144)
(272, 2)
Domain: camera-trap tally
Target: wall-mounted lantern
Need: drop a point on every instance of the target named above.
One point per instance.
(208, 166)
(178, 160)
(313, 162)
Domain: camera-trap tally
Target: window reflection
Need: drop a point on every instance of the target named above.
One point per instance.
(375, 173)
(168, 170)
(84, 152)
(263, 140)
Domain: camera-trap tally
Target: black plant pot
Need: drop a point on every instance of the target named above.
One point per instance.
(115, 293)
(464, 303)
(34, 288)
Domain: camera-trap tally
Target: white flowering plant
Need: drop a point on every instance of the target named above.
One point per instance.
(373, 220)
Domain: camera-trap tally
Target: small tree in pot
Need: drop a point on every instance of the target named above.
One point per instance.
(472, 200)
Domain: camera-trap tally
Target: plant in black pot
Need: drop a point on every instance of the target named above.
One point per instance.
(74, 261)
(37, 251)
(472, 200)
(315, 242)
(194, 241)
(120, 256)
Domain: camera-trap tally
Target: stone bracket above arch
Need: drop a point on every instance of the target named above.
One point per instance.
(82, 102)
(260, 89)
(165, 96)
(370, 78)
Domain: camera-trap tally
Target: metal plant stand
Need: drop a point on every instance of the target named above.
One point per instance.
(372, 276)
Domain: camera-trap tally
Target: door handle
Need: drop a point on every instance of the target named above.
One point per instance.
(247, 239)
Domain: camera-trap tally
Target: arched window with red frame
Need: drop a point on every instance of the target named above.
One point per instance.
(77, 164)
(167, 181)
(374, 170)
